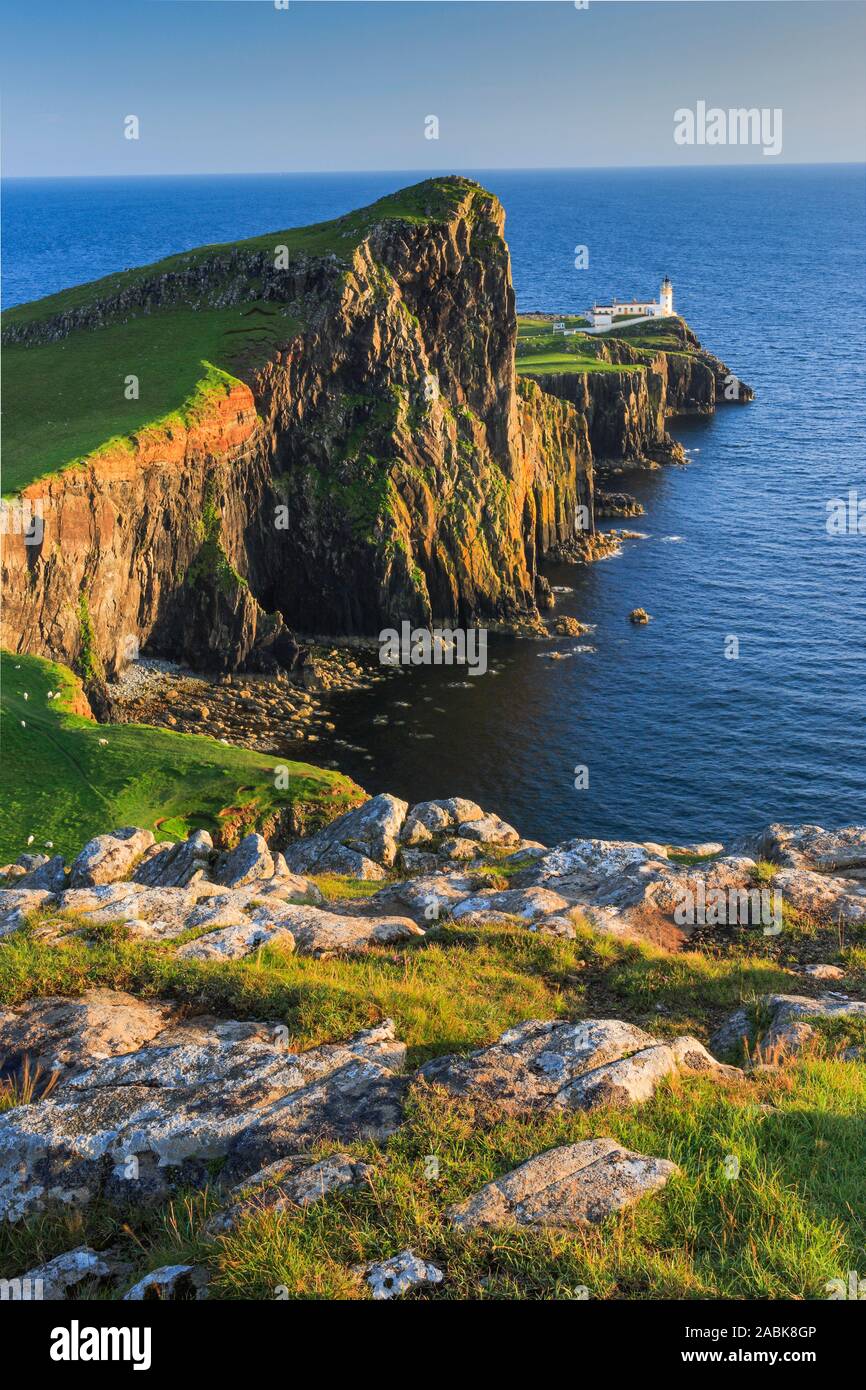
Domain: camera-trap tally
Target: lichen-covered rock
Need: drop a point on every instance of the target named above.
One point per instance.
(540, 1066)
(629, 889)
(575, 1185)
(489, 830)
(131, 1126)
(170, 1282)
(64, 1035)
(174, 865)
(822, 872)
(62, 1277)
(526, 903)
(321, 933)
(107, 858)
(16, 904)
(391, 1278)
(786, 1024)
(235, 942)
(434, 895)
(50, 875)
(368, 833)
(291, 1182)
(249, 861)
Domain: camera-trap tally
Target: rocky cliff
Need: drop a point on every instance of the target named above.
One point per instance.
(383, 465)
(626, 410)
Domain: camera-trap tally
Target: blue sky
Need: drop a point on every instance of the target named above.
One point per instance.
(237, 86)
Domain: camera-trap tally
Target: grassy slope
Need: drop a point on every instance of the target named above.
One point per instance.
(791, 1221)
(61, 782)
(64, 399)
(75, 387)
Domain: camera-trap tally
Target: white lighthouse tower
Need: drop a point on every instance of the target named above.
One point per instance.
(666, 297)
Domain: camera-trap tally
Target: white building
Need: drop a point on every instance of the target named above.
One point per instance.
(604, 315)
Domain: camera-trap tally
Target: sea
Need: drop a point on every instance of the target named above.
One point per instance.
(743, 701)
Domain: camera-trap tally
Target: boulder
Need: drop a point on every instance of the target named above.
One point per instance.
(50, 875)
(321, 933)
(575, 1185)
(529, 904)
(489, 830)
(62, 1277)
(233, 943)
(174, 865)
(432, 896)
(371, 832)
(391, 1278)
(289, 1183)
(458, 848)
(172, 1282)
(107, 858)
(540, 1066)
(250, 860)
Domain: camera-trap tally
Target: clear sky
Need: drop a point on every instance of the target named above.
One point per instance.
(238, 86)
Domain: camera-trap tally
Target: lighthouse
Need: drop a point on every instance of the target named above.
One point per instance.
(666, 297)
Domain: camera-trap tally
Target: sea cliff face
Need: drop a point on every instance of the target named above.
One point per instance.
(626, 410)
(386, 463)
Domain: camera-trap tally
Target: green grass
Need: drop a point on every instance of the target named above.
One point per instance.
(61, 782)
(541, 363)
(75, 387)
(792, 1220)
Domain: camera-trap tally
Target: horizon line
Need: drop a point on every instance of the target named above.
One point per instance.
(433, 173)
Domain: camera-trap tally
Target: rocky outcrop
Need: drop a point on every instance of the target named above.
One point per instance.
(540, 1066)
(576, 1185)
(781, 1025)
(130, 1125)
(626, 410)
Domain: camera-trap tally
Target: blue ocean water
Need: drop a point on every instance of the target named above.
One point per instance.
(680, 742)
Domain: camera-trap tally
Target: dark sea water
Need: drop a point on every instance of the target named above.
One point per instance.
(768, 268)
